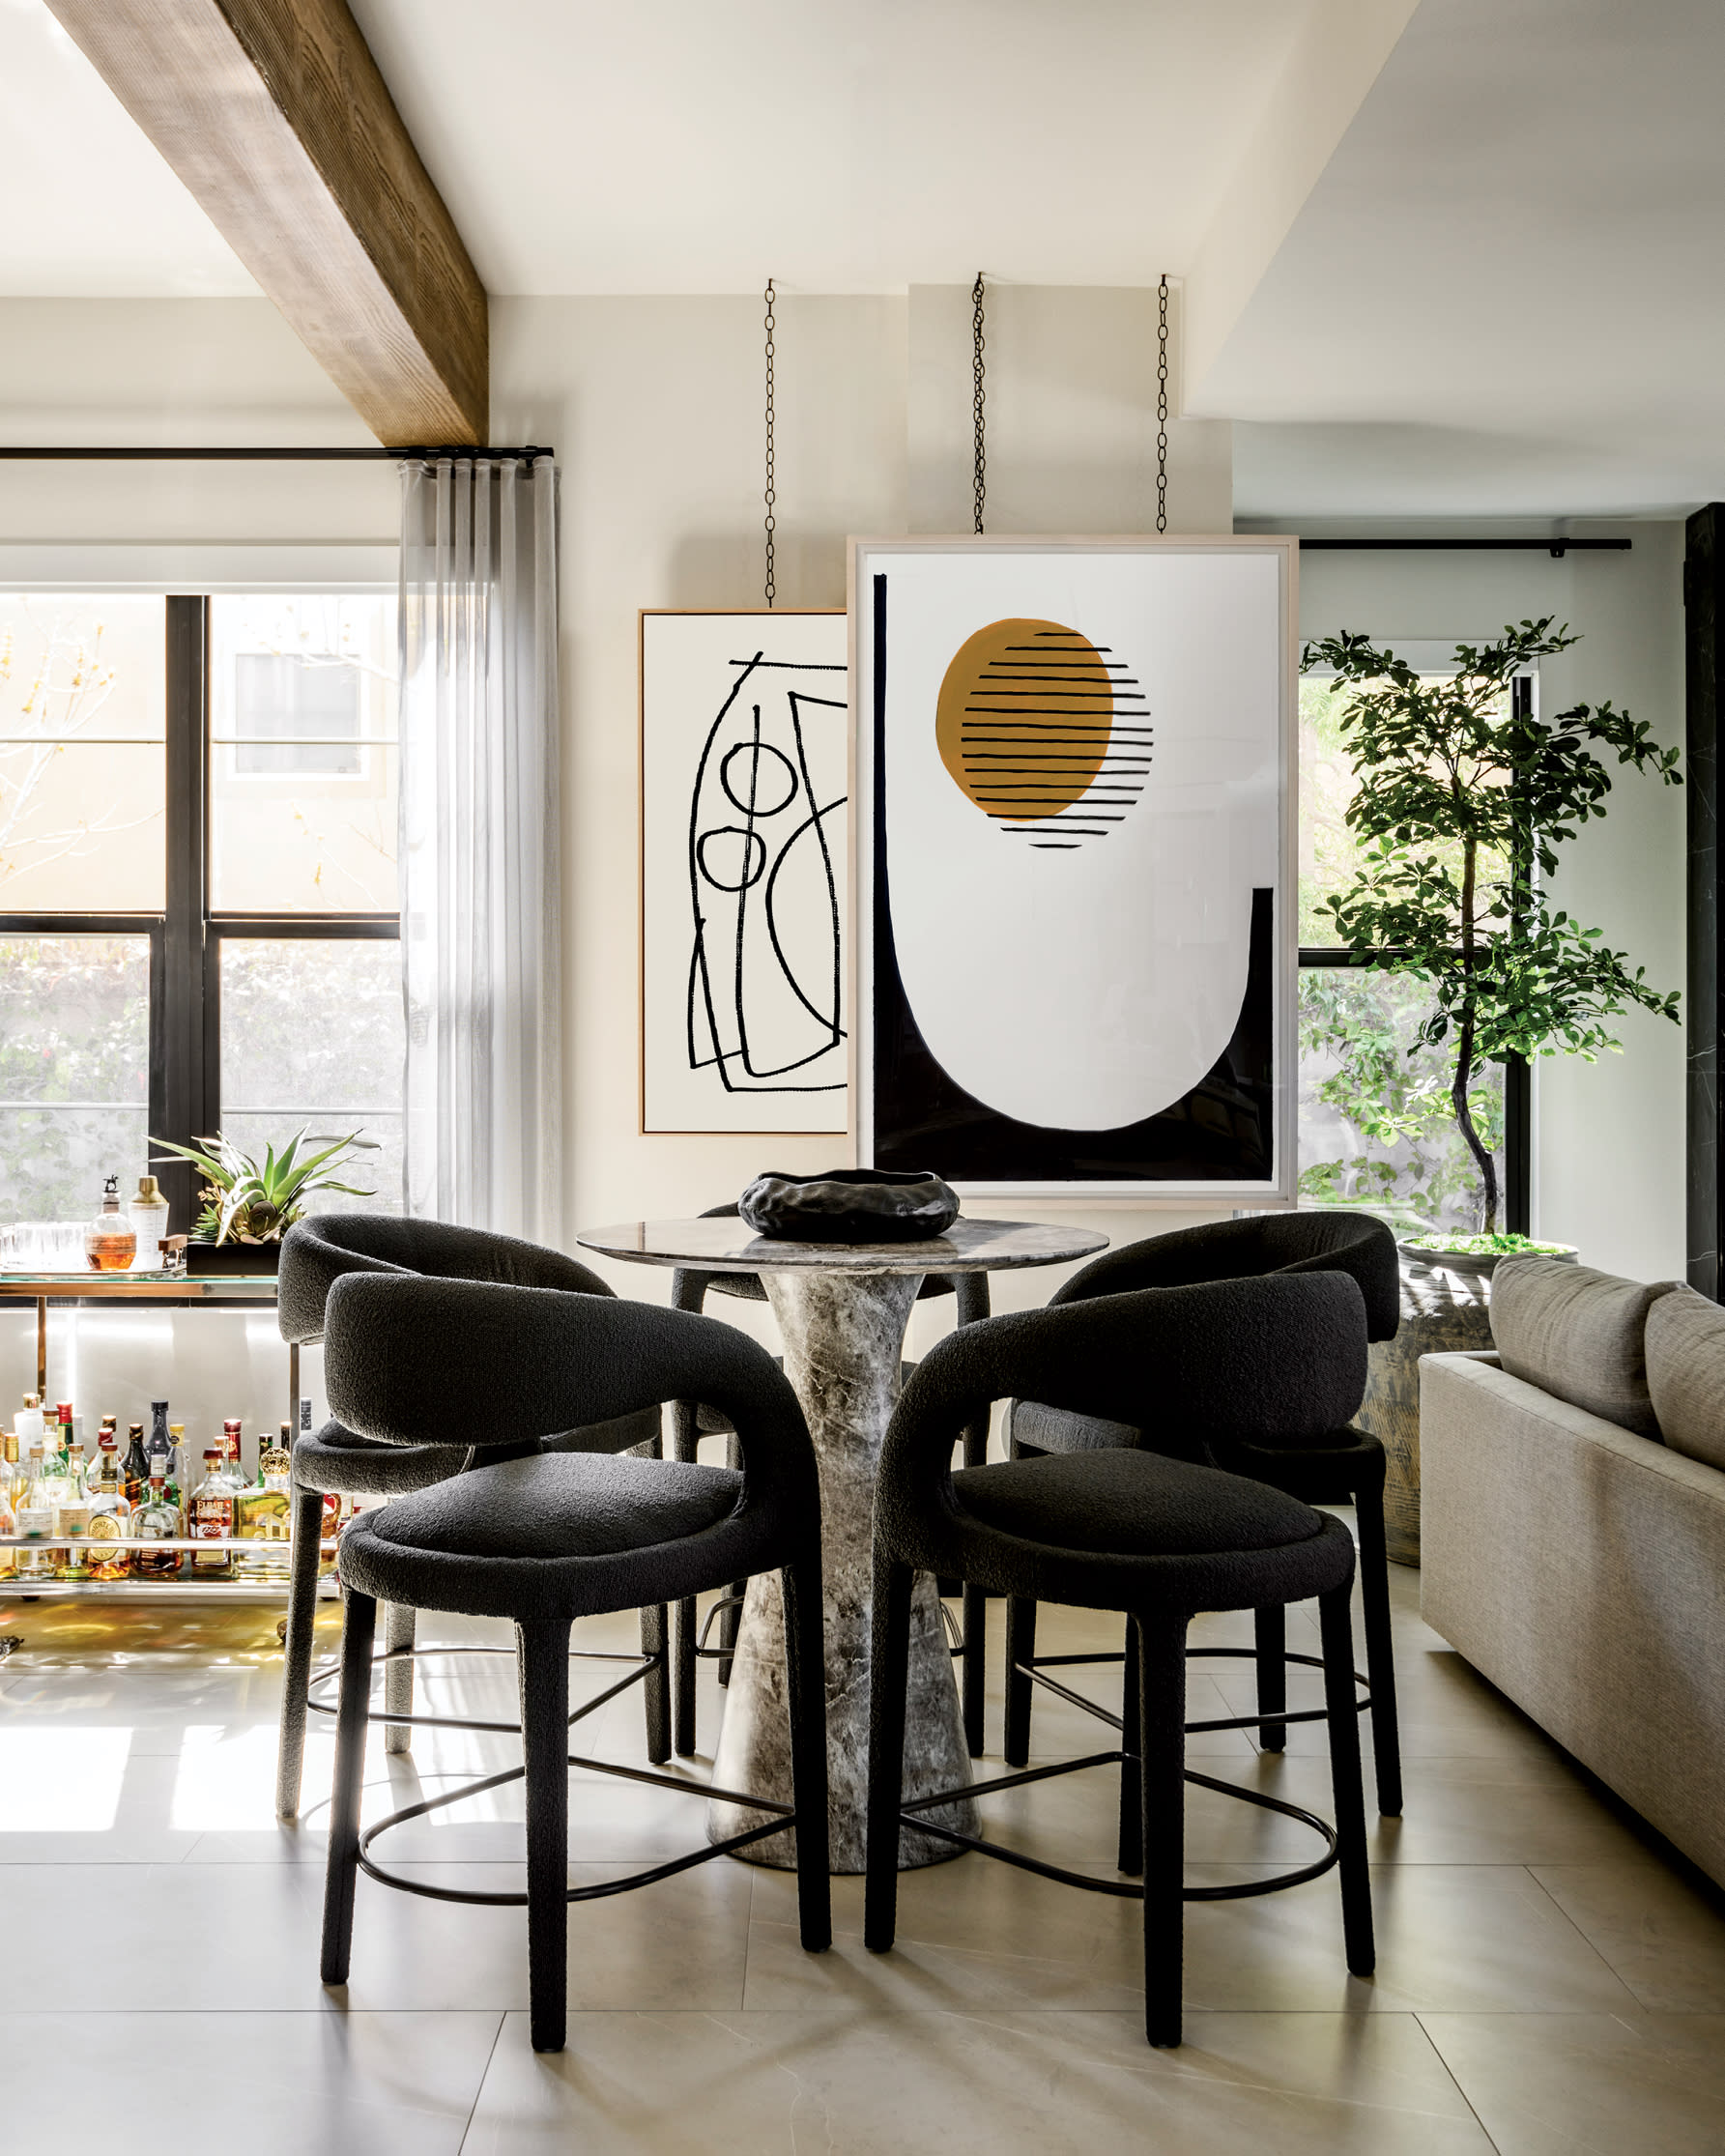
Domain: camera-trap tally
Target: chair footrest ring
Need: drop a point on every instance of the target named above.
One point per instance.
(1033, 1669)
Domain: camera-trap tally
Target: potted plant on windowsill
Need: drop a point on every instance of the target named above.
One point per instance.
(1463, 797)
(248, 1206)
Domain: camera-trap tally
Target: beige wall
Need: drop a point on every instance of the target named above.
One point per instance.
(655, 407)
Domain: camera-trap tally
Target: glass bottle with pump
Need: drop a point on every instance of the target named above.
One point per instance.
(110, 1241)
(156, 1519)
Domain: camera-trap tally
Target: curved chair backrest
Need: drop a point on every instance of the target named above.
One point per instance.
(534, 1362)
(318, 1253)
(1266, 1244)
(1277, 1361)
(689, 1288)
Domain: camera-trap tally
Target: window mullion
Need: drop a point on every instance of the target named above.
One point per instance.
(182, 1104)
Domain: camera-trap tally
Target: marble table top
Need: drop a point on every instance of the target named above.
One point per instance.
(728, 1244)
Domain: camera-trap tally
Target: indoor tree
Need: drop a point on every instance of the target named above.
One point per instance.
(1463, 798)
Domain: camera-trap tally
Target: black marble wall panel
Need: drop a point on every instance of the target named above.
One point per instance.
(1704, 601)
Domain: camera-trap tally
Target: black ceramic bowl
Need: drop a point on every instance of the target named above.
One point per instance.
(849, 1205)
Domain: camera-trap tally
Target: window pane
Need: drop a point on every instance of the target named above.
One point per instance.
(83, 699)
(1329, 849)
(312, 1034)
(302, 761)
(74, 1063)
(1376, 1128)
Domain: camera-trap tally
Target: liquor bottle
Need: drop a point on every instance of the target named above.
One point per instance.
(110, 1241)
(158, 1520)
(135, 1471)
(110, 1513)
(9, 1519)
(159, 1452)
(177, 1475)
(149, 1211)
(212, 1516)
(266, 1510)
(71, 1513)
(29, 1425)
(35, 1516)
(230, 1441)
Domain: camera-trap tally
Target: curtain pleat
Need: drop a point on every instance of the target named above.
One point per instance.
(479, 874)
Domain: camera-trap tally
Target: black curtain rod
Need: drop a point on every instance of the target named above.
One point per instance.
(223, 455)
(1556, 548)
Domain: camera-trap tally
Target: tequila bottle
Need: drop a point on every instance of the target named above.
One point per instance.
(35, 1515)
(158, 1519)
(110, 1513)
(71, 1513)
(212, 1516)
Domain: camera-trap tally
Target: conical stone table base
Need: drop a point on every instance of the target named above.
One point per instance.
(844, 1335)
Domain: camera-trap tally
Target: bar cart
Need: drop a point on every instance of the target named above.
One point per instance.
(178, 1287)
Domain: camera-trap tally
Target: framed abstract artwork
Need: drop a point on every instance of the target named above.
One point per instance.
(744, 871)
(1073, 857)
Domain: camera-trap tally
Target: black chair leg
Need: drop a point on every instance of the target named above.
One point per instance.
(1270, 1634)
(805, 1672)
(889, 1679)
(1380, 1648)
(1131, 1799)
(975, 1657)
(685, 1439)
(730, 1619)
(1341, 1700)
(296, 1661)
(352, 1717)
(543, 1662)
(1020, 1647)
(655, 1686)
(1161, 1775)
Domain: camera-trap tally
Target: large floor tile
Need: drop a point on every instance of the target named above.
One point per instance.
(1468, 1938)
(276, 2085)
(878, 2084)
(1652, 2085)
(1664, 1935)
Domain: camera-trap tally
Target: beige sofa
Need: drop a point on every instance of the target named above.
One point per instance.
(1573, 1530)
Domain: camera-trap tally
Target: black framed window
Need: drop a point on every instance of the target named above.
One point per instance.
(1375, 1128)
(198, 912)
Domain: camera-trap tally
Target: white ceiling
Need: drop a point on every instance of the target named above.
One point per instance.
(1504, 295)
(90, 207)
(1506, 290)
(687, 146)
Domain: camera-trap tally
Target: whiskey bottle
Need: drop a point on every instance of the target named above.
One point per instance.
(110, 1241)
(231, 1449)
(212, 1516)
(158, 1519)
(178, 1472)
(158, 1453)
(135, 1471)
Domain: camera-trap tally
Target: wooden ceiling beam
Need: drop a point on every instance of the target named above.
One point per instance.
(274, 115)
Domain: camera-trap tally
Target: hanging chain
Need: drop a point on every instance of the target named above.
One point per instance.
(979, 485)
(1162, 406)
(771, 494)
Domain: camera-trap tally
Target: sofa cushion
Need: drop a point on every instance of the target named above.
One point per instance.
(1578, 1334)
(1686, 1374)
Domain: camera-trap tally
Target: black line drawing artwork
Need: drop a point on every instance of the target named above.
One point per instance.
(764, 1006)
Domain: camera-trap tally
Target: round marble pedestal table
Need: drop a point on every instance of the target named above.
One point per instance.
(841, 1310)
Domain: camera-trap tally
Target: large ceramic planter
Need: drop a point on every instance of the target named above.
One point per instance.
(1446, 1310)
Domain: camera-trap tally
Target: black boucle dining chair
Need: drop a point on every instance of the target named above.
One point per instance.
(1329, 1465)
(545, 1538)
(315, 1254)
(1156, 1537)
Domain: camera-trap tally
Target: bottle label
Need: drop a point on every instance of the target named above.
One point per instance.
(212, 1516)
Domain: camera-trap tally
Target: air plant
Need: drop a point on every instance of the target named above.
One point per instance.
(244, 1202)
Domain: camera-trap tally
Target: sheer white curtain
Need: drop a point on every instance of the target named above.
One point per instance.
(479, 889)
